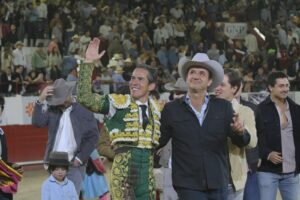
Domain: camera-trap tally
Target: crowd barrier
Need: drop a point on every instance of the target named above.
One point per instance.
(26, 143)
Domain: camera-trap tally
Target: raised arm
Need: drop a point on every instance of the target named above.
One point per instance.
(92, 101)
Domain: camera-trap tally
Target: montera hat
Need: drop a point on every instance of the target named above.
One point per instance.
(58, 158)
(179, 85)
(201, 60)
(61, 91)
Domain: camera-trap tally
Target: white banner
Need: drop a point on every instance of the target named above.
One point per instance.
(235, 30)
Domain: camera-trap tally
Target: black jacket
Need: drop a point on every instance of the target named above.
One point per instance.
(269, 133)
(199, 153)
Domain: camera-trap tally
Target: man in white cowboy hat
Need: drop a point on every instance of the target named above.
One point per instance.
(71, 127)
(74, 45)
(199, 126)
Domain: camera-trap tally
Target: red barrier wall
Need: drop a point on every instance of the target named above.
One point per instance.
(25, 142)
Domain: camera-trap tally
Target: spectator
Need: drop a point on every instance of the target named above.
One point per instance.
(31, 18)
(58, 167)
(201, 156)
(277, 127)
(237, 156)
(39, 59)
(19, 57)
(6, 81)
(71, 128)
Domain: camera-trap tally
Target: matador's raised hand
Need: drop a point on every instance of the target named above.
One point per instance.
(91, 53)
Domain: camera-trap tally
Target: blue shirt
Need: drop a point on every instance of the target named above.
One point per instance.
(54, 190)
(200, 115)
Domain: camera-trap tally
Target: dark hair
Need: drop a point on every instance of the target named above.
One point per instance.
(152, 72)
(51, 168)
(234, 78)
(275, 75)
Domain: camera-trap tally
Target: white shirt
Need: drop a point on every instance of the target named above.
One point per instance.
(19, 58)
(65, 140)
(42, 10)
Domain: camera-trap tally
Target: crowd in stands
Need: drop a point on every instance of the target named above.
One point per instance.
(156, 32)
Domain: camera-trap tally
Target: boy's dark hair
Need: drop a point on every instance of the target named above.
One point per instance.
(234, 78)
(51, 168)
(275, 75)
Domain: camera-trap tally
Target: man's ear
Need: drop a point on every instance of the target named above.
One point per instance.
(152, 86)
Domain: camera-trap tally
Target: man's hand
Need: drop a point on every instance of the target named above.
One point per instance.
(275, 157)
(47, 91)
(91, 53)
(237, 126)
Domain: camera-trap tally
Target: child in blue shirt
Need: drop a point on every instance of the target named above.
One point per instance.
(58, 186)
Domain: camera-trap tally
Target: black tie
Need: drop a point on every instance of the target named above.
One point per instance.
(144, 116)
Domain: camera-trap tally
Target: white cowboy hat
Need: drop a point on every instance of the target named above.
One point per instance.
(201, 60)
(179, 85)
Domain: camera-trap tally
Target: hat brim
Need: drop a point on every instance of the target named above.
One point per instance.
(54, 101)
(171, 87)
(213, 66)
(58, 163)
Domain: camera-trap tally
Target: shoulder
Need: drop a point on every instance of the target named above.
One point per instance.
(119, 100)
(245, 110)
(219, 101)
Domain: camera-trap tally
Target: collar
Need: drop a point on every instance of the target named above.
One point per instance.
(186, 98)
(139, 103)
(64, 182)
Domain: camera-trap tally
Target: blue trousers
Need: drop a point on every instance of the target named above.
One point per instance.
(251, 191)
(288, 185)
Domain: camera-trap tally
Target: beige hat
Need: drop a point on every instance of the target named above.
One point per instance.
(75, 37)
(117, 56)
(179, 85)
(201, 60)
(113, 63)
(128, 60)
(19, 43)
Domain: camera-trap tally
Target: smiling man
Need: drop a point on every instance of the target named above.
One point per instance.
(237, 156)
(132, 122)
(200, 168)
(278, 132)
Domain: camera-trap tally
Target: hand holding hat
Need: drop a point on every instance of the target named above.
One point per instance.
(91, 53)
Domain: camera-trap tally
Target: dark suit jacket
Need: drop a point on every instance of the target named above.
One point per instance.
(199, 153)
(269, 133)
(84, 125)
(5, 83)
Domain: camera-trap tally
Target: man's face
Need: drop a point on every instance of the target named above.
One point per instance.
(198, 79)
(225, 90)
(139, 85)
(280, 89)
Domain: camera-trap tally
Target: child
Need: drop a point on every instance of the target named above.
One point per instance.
(58, 186)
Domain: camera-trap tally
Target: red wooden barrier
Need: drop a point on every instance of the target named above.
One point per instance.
(25, 142)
